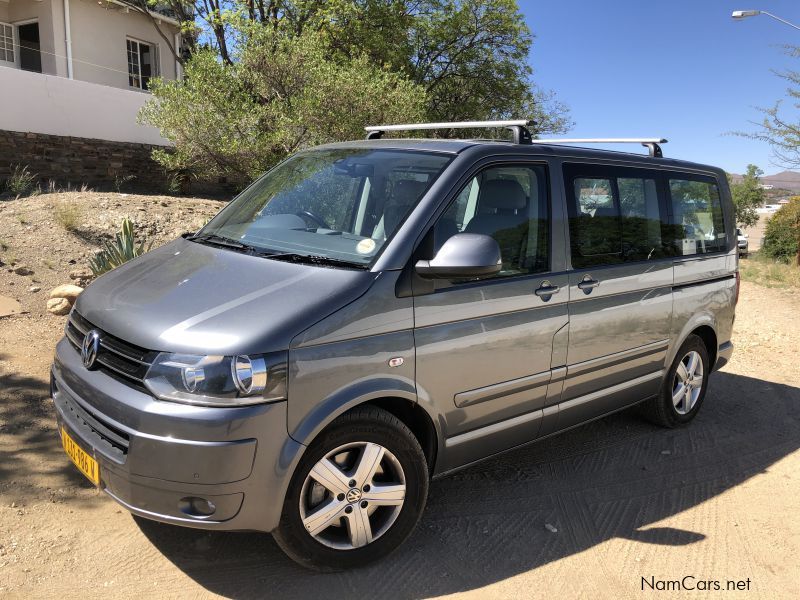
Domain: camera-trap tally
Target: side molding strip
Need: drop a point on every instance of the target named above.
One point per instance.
(492, 429)
(611, 390)
(497, 390)
(595, 364)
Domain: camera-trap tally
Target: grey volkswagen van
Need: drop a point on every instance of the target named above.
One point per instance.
(371, 314)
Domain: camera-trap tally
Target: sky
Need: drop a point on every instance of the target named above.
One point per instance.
(679, 69)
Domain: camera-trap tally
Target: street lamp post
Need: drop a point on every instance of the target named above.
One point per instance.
(743, 14)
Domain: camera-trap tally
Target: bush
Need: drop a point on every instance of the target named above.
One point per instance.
(68, 215)
(122, 249)
(21, 182)
(281, 94)
(782, 235)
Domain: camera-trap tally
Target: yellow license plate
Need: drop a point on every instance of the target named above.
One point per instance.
(85, 463)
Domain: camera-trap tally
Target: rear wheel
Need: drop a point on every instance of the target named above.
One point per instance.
(357, 494)
(684, 387)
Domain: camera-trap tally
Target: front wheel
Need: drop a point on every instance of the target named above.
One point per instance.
(684, 387)
(356, 495)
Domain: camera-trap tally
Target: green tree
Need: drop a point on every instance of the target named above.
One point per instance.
(278, 94)
(272, 77)
(470, 56)
(782, 234)
(748, 195)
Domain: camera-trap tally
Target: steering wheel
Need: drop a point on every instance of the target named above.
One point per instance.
(307, 214)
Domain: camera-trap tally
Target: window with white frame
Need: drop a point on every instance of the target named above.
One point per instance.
(7, 50)
(142, 63)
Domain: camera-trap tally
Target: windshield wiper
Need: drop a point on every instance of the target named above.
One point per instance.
(212, 239)
(314, 259)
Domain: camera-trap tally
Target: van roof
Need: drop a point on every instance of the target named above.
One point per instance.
(458, 146)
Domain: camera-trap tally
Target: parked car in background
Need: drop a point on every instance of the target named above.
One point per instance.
(371, 314)
(741, 242)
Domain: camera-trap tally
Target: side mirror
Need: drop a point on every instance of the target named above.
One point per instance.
(463, 256)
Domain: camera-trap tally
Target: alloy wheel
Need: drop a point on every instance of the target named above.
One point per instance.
(352, 495)
(688, 382)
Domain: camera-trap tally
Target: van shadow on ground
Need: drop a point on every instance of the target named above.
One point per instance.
(30, 448)
(611, 478)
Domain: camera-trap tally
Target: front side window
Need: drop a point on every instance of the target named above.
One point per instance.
(6, 43)
(142, 64)
(697, 216)
(341, 204)
(510, 204)
(615, 216)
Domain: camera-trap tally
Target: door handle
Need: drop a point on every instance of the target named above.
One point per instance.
(546, 290)
(587, 284)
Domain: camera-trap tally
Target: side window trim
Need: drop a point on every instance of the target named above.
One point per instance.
(498, 161)
(706, 178)
(575, 170)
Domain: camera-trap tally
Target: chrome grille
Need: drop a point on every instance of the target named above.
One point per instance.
(117, 358)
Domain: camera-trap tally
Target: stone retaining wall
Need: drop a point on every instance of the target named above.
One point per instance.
(100, 164)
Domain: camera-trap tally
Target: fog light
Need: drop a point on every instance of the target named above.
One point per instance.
(196, 507)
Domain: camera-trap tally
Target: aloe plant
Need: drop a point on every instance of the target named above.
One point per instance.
(119, 251)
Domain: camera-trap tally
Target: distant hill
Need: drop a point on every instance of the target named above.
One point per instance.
(786, 180)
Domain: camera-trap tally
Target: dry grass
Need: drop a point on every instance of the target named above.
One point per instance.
(764, 271)
(68, 214)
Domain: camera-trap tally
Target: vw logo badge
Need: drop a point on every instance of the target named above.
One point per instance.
(91, 344)
(353, 495)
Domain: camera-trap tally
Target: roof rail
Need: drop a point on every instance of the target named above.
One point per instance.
(518, 127)
(652, 144)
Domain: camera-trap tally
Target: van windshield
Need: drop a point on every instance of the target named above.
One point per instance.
(337, 206)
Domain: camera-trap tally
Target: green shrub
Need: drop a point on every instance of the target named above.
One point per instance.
(119, 251)
(782, 234)
(21, 182)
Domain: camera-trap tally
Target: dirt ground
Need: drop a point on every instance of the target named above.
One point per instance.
(587, 514)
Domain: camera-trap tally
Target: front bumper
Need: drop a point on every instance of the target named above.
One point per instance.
(154, 456)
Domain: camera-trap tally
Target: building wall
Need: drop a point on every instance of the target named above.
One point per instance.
(99, 31)
(98, 38)
(51, 38)
(32, 102)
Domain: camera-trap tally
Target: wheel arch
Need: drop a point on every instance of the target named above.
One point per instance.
(703, 326)
(709, 337)
(397, 397)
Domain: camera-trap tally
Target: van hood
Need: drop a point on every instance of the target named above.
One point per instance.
(197, 299)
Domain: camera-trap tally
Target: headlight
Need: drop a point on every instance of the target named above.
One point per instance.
(218, 380)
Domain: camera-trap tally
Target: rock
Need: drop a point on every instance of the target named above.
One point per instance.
(67, 291)
(34, 288)
(550, 528)
(82, 276)
(59, 306)
(23, 270)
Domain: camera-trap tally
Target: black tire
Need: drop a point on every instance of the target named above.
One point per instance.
(368, 424)
(661, 410)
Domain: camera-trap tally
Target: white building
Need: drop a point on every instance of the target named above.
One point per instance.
(74, 74)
